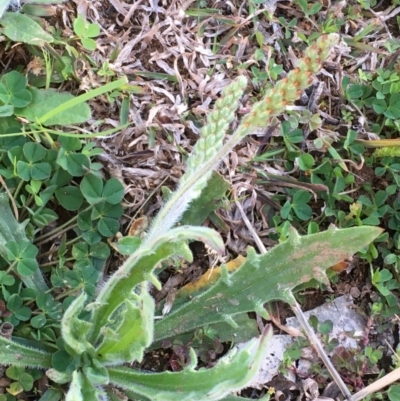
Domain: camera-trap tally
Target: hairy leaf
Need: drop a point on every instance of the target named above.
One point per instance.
(231, 373)
(139, 267)
(13, 231)
(73, 329)
(263, 278)
(134, 332)
(16, 354)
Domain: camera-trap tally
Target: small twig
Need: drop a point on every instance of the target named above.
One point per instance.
(249, 226)
(376, 386)
(320, 350)
(265, 139)
(300, 315)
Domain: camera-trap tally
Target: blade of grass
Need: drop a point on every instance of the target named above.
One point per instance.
(379, 143)
(155, 75)
(68, 134)
(83, 98)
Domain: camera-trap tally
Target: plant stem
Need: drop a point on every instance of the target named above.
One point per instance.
(16, 192)
(55, 262)
(55, 234)
(68, 292)
(319, 348)
(285, 92)
(58, 229)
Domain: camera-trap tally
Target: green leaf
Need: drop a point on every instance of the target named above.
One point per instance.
(92, 188)
(96, 373)
(6, 279)
(46, 194)
(304, 6)
(354, 91)
(6, 110)
(44, 217)
(306, 162)
(15, 388)
(108, 226)
(14, 302)
(141, 268)
(27, 267)
(20, 355)
(14, 372)
(89, 391)
(301, 196)
(73, 329)
(89, 44)
(113, 191)
(379, 106)
(51, 394)
(128, 245)
(80, 250)
(133, 333)
(63, 362)
(315, 8)
(41, 171)
(285, 211)
(12, 231)
(28, 250)
(70, 143)
(77, 164)
(26, 381)
(93, 30)
(34, 151)
(393, 110)
(70, 197)
(232, 373)
(38, 321)
(100, 251)
(265, 277)
(208, 201)
(20, 250)
(80, 26)
(75, 388)
(13, 90)
(21, 28)
(394, 392)
(104, 209)
(24, 170)
(45, 100)
(205, 338)
(24, 313)
(302, 211)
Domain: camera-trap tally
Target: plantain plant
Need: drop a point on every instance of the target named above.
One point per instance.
(100, 337)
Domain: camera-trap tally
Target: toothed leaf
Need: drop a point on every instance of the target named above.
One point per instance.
(134, 331)
(231, 373)
(263, 278)
(73, 329)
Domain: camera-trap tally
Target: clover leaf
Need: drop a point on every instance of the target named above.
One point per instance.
(13, 90)
(94, 190)
(33, 167)
(24, 253)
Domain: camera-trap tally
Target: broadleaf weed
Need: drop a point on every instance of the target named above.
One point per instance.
(111, 324)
